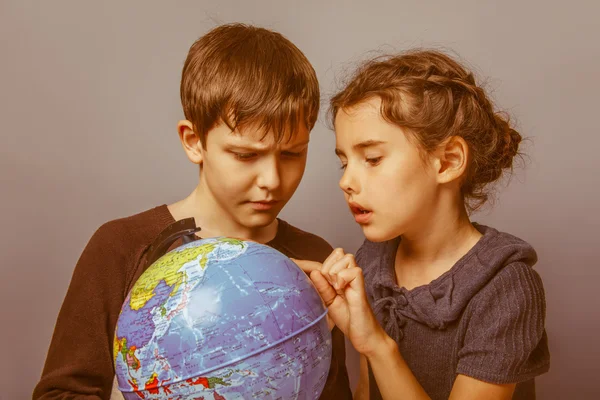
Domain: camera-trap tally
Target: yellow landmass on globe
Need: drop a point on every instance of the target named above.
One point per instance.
(116, 346)
(166, 268)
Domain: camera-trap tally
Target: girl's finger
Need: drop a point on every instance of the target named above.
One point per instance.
(325, 290)
(334, 257)
(345, 262)
(353, 278)
(307, 266)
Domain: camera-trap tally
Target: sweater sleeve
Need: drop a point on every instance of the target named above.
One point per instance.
(79, 361)
(505, 339)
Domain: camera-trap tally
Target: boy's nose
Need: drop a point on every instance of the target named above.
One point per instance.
(269, 176)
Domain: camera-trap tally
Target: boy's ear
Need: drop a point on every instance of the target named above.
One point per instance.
(451, 159)
(190, 141)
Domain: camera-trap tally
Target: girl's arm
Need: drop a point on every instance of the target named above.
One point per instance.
(396, 381)
(341, 286)
(362, 388)
(394, 378)
(466, 387)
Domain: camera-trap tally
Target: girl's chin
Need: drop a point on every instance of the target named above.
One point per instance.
(376, 235)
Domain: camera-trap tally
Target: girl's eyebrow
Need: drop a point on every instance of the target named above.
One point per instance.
(361, 145)
(368, 143)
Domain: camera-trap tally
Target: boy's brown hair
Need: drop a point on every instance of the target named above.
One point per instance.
(433, 97)
(243, 75)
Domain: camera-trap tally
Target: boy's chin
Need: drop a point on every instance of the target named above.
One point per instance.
(259, 220)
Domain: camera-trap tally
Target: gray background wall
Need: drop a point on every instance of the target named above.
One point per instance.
(89, 102)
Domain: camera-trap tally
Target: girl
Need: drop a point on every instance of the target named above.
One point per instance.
(448, 308)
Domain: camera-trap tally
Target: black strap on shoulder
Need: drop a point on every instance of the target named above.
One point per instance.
(185, 229)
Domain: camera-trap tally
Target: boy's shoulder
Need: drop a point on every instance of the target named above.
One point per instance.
(128, 233)
(297, 243)
(148, 222)
(115, 248)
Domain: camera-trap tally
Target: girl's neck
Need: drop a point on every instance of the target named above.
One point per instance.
(424, 255)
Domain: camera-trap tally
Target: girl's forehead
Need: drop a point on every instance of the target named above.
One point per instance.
(363, 111)
(363, 121)
(359, 135)
(354, 130)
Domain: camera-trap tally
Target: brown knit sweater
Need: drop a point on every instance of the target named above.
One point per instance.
(79, 363)
(483, 318)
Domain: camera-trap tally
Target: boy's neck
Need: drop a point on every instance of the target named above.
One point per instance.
(443, 239)
(214, 221)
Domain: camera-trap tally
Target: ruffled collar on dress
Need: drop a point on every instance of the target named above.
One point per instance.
(443, 300)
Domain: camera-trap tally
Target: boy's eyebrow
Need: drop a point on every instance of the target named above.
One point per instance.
(361, 145)
(299, 144)
(259, 147)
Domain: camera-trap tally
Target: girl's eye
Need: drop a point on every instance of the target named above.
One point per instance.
(244, 156)
(374, 161)
(343, 167)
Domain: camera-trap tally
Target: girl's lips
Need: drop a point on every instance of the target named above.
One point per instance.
(361, 215)
(356, 209)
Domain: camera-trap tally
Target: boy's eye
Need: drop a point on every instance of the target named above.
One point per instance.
(373, 160)
(291, 154)
(343, 166)
(245, 156)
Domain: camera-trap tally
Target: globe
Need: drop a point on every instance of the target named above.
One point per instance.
(222, 319)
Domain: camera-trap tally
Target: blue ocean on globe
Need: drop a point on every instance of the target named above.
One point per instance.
(222, 319)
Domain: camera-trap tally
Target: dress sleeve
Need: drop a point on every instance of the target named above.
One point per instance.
(505, 339)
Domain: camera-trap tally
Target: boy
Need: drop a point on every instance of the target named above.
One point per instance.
(250, 98)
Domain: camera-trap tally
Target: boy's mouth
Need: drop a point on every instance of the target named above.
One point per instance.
(264, 205)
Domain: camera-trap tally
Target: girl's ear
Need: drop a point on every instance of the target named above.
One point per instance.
(451, 159)
(192, 145)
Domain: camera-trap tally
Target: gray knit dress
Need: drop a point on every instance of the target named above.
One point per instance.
(483, 318)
